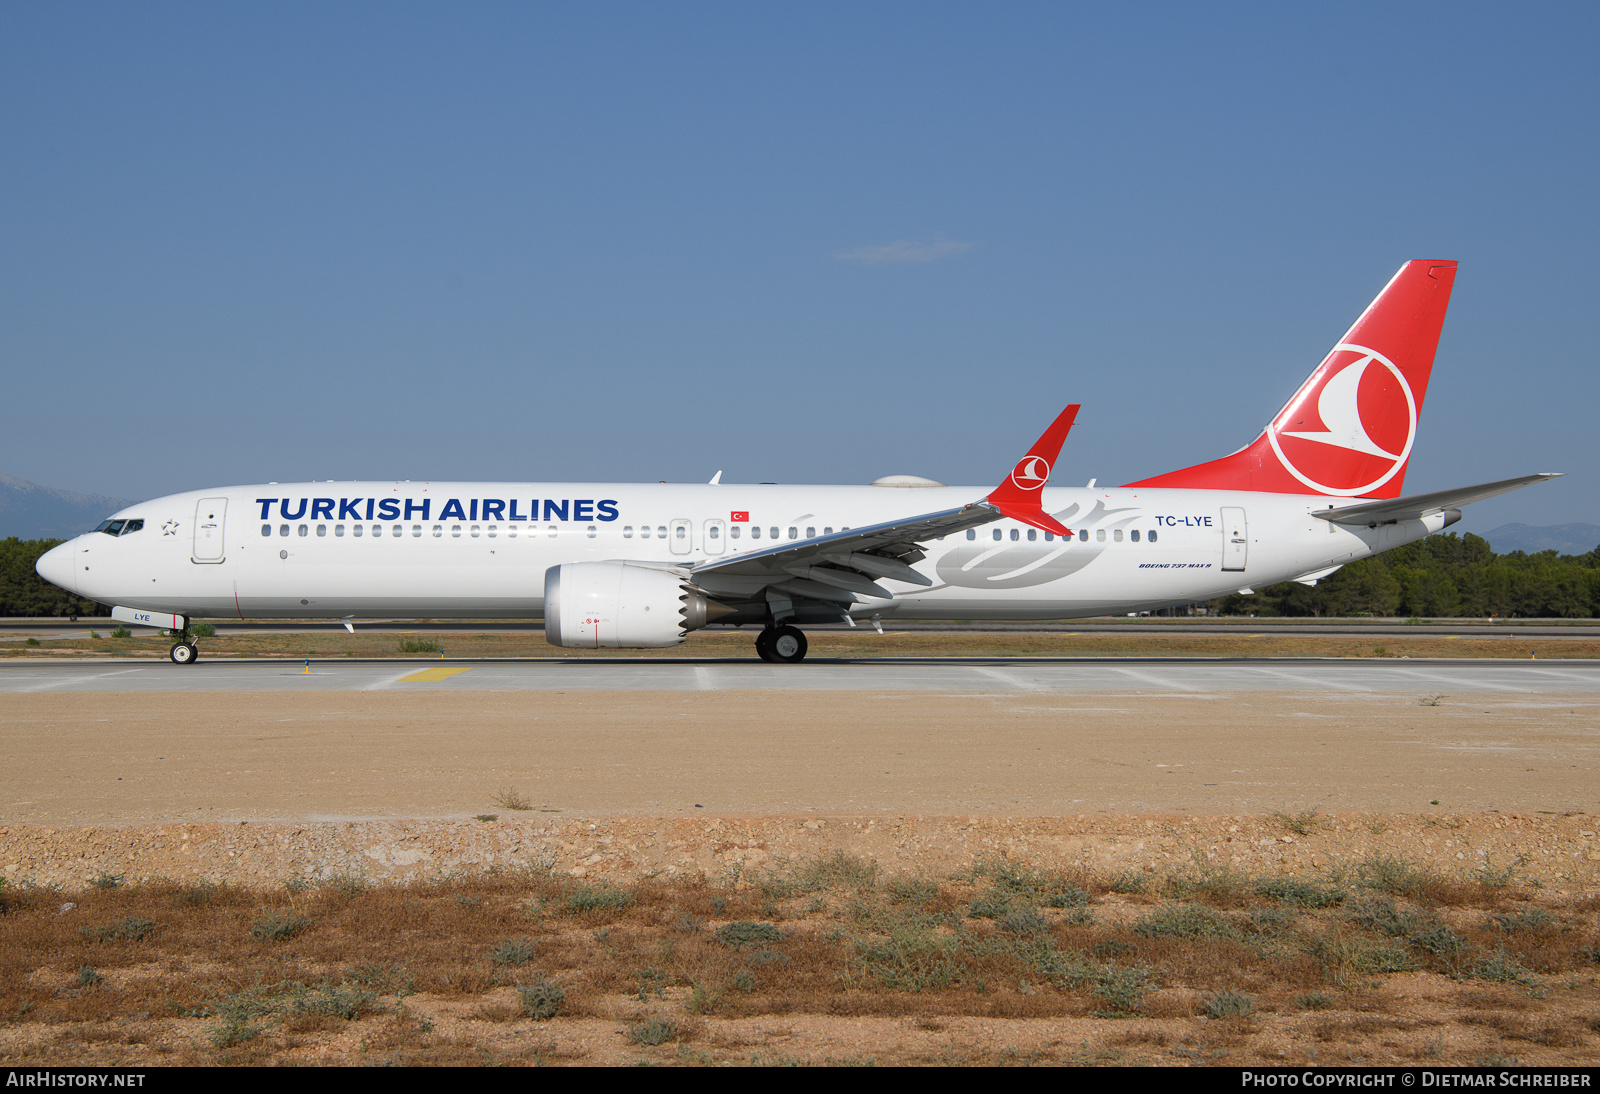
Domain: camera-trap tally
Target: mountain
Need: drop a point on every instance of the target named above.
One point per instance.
(31, 511)
(1564, 539)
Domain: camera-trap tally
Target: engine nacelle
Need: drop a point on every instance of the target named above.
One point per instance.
(620, 605)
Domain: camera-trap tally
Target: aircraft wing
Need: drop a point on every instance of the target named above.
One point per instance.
(837, 567)
(842, 568)
(1420, 505)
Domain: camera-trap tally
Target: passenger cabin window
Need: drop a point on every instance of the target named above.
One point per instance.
(996, 535)
(794, 533)
(377, 529)
(811, 533)
(733, 533)
(358, 530)
(661, 531)
(829, 532)
(338, 531)
(1016, 534)
(455, 531)
(416, 531)
(266, 529)
(755, 531)
(713, 532)
(283, 529)
(1100, 535)
(1152, 536)
(438, 531)
(322, 529)
(627, 531)
(1116, 535)
(681, 532)
(972, 533)
(397, 531)
(772, 533)
(304, 530)
(551, 530)
(1134, 535)
(644, 531)
(594, 530)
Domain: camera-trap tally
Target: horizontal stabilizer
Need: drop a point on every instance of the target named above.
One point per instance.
(1420, 505)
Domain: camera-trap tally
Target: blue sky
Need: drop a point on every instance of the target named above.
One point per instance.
(627, 242)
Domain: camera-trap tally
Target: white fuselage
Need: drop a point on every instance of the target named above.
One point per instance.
(438, 550)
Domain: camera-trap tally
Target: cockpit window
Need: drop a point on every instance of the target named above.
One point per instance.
(111, 527)
(132, 526)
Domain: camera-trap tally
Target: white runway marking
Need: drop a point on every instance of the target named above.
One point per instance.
(1034, 676)
(78, 680)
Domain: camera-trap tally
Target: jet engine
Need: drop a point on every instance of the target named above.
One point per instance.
(622, 605)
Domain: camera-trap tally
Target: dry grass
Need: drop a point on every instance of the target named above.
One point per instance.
(1226, 969)
(824, 644)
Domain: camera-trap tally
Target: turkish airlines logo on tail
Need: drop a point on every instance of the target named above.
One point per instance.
(1350, 429)
(1031, 473)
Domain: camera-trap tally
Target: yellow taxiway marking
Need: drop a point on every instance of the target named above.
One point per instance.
(429, 676)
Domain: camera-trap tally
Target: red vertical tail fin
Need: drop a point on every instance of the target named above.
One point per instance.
(1349, 430)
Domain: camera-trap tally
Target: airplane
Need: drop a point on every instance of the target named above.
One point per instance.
(639, 566)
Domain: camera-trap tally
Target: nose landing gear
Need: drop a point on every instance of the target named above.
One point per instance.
(781, 645)
(184, 651)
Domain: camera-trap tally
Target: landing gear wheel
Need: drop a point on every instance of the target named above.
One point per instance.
(184, 653)
(786, 646)
(764, 645)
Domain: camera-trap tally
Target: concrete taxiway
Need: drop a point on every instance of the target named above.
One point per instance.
(928, 675)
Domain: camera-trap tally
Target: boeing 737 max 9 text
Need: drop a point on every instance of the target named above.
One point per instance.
(640, 566)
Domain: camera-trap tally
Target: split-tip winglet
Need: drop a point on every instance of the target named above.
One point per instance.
(1018, 496)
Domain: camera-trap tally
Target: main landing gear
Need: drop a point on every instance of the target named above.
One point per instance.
(781, 645)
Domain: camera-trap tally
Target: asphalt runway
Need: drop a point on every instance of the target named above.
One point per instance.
(20, 629)
(131, 742)
(957, 675)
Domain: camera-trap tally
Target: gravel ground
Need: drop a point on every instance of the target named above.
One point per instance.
(1559, 853)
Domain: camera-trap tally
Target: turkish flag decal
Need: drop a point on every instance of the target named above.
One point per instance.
(740, 517)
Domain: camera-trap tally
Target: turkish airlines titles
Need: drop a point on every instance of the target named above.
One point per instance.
(486, 509)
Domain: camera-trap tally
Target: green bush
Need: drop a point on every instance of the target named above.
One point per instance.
(131, 929)
(512, 951)
(543, 1000)
(1230, 1004)
(652, 1031)
(277, 928)
(597, 898)
(747, 933)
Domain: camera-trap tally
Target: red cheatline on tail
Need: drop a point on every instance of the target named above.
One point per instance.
(1349, 430)
(1018, 497)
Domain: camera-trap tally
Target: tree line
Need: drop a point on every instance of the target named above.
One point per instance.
(24, 592)
(1443, 575)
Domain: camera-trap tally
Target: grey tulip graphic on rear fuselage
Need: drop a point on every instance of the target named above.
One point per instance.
(985, 564)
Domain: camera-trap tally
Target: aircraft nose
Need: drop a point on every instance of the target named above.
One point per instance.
(57, 566)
